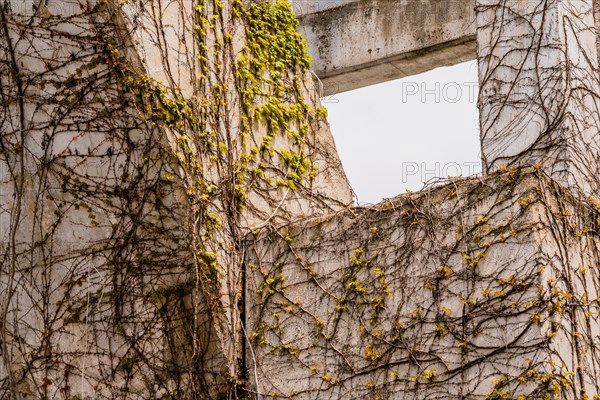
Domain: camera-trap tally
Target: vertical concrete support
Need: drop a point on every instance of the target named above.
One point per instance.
(539, 99)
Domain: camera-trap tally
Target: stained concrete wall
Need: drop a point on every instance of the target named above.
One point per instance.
(540, 88)
(93, 210)
(357, 43)
(477, 289)
(348, 305)
(360, 43)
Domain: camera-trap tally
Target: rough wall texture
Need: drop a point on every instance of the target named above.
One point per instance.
(478, 289)
(540, 88)
(361, 43)
(124, 198)
(141, 143)
(355, 43)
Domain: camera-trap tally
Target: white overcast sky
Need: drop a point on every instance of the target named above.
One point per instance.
(395, 136)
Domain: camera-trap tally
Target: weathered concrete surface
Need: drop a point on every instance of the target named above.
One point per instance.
(479, 289)
(442, 33)
(434, 295)
(305, 7)
(361, 43)
(93, 209)
(165, 48)
(539, 88)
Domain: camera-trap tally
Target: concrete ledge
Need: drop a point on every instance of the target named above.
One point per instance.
(371, 41)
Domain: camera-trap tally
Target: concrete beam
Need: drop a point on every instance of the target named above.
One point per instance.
(365, 42)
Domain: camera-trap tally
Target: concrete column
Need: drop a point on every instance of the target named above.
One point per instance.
(539, 99)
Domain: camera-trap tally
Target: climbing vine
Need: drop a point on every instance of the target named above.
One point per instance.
(134, 165)
(477, 288)
(540, 85)
(176, 224)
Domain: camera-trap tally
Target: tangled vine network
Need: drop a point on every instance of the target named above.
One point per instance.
(176, 223)
(133, 136)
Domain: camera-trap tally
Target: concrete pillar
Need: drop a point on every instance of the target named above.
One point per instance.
(539, 99)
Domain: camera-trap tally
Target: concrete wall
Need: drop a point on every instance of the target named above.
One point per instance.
(540, 88)
(408, 299)
(470, 290)
(97, 262)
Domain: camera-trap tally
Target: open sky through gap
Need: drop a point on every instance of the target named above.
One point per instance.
(396, 136)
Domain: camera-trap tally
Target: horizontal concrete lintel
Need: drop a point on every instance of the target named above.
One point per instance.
(366, 42)
(399, 66)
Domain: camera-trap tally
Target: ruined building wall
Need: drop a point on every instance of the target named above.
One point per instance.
(480, 289)
(132, 166)
(175, 221)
